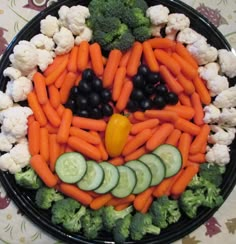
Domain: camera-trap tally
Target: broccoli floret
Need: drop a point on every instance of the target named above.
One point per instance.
(141, 224)
(137, 4)
(46, 196)
(142, 33)
(164, 211)
(110, 216)
(107, 24)
(114, 8)
(28, 179)
(121, 229)
(92, 223)
(96, 7)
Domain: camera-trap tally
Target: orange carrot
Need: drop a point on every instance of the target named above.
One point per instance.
(44, 143)
(122, 206)
(96, 58)
(36, 108)
(136, 154)
(184, 99)
(101, 146)
(30, 119)
(54, 151)
(164, 43)
(51, 67)
(83, 55)
(204, 147)
(159, 136)
(51, 114)
(117, 201)
(84, 147)
(51, 129)
(170, 80)
(187, 126)
(100, 201)
(124, 59)
(148, 124)
(200, 139)
(197, 106)
(33, 137)
(137, 141)
(89, 124)
(75, 193)
(60, 110)
(186, 84)
(66, 86)
(111, 67)
(40, 87)
(162, 115)
(202, 90)
(164, 58)
(183, 111)
(134, 59)
(162, 188)
(147, 205)
(182, 182)
(64, 128)
(118, 83)
(124, 95)
(72, 63)
(197, 158)
(184, 147)
(140, 116)
(119, 160)
(60, 80)
(40, 166)
(150, 57)
(78, 79)
(173, 138)
(54, 96)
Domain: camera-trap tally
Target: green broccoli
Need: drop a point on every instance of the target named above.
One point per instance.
(142, 33)
(28, 179)
(46, 196)
(96, 7)
(164, 211)
(110, 215)
(141, 224)
(114, 8)
(68, 212)
(137, 4)
(121, 229)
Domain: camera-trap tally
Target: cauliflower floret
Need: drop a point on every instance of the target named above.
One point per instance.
(85, 35)
(218, 154)
(19, 89)
(62, 12)
(43, 42)
(20, 154)
(158, 14)
(212, 114)
(228, 117)
(226, 98)
(7, 163)
(217, 85)
(44, 59)
(227, 61)
(64, 40)
(209, 71)
(49, 26)
(188, 36)
(24, 57)
(223, 136)
(12, 73)
(5, 144)
(202, 52)
(5, 101)
(156, 30)
(176, 22)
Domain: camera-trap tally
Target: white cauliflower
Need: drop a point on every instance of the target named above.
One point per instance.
(5, 144)
(209, 71)
(218, 154)
(42, 41)
(212, 114)
(176, 22)
(217, 85)
(5, 101)
(62, 12)
(203, 52)
(226, 98)
(158, 14)
(12, 73)
(156, 30)
(44, 59)
(20, 154)
(220, 135)
(14, 121)
(19, 89)
(7, 163)
(85, 35)
(64, 40)
(49, 26)
(227, 61)
(228, 117)
(24, 57)
(188, 36)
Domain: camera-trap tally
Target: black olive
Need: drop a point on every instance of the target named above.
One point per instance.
(82, 102)
(143, 70)
(107, 110)
(153, 77)
(159, 102)
(146, 103)
(171, 98)
(94, 99)
(97, 84)
(149, 89)
(105, 95)
(70, 104)
(74, 92)
(82, 113)
(161, 89)
(95, 113)
(137, 94)
(138, 81)
(88, 74)
(132, 105)
(84, 86)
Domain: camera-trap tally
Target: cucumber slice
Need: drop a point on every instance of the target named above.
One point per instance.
(111, 178)
(126, 183)
(71, 167)
(143, 175)
(156, 166)
(171, 157)
(92, 178)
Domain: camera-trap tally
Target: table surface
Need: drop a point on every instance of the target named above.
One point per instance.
(15, 228)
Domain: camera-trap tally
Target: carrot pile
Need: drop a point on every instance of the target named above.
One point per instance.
(54, 130)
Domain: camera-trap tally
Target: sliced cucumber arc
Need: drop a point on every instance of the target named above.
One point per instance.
(111, 178)
(171, 157)
(143, 175)
(71, 167)
(92, 178)
(156, 167)
(126, 183)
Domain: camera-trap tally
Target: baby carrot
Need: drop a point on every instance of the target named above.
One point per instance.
(40, 166)
(162, 188)
(150, 57)
(72, 63)
(119, 160)
(140, 116)
(44, 143)
(111, 67)
(136, 154)
(54, 96)
(51, 129)
(66, 86)
(30, 119)
(117, 201)
(118, 83)
(124, 95)
(96, 58)
(51, 67)
(51, 114)
(159, 136)
(158, 42)
(202, 90)
(122, 206)
(184, 99)
(147, 205)
(184, 147)
(60, 110)
(101, 146)
(54, 151)
(182, 111)
(187, 126)
(173, 138)
(197, 106)
(124, 59)
(100, 201)
(40, 87)
(89, 124)
(59, 81)
(83, 55)
(197, 158)
(186, 84)
(162, 115)
(147, 124)
(33, 137)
